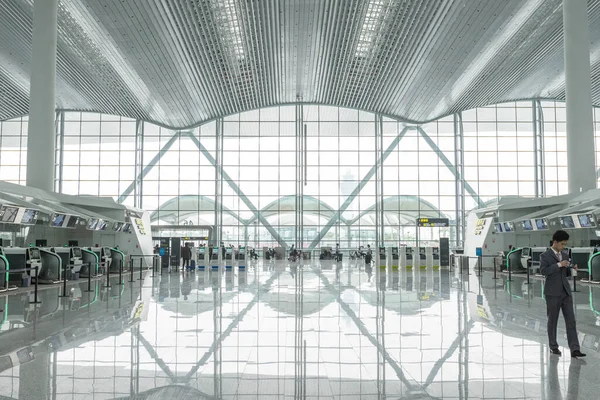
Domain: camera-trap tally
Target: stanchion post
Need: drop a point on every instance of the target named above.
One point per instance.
(131, 277)
(35, 289)
(528, 274)
(468, 266)
(120, 273)
(64, 286)
(461, 265)
(574, 282)
(509, 271)
(495, 268)
(108, 276)
(89, 289)
(141, 259)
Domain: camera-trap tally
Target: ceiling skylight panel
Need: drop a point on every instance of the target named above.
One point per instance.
(377, 11)
(230, 27)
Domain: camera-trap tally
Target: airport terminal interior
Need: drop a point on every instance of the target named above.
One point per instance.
(298, 199)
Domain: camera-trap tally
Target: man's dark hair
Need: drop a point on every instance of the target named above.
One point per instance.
(560, 236)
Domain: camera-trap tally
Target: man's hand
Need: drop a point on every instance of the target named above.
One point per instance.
(575, 267)
(564, 263)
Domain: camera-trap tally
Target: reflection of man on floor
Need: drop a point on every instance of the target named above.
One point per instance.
(553, 383)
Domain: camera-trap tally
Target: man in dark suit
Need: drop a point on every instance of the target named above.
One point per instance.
(555, 266)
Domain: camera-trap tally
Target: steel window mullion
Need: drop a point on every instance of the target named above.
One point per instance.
(61, 154)
(540, 147)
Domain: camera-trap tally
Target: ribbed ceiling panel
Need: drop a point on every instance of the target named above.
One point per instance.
(181, 62)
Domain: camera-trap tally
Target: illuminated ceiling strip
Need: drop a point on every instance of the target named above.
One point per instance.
(377, 10)
(227, 17)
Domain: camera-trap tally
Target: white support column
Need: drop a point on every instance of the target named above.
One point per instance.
(580, 134)
(42, 97)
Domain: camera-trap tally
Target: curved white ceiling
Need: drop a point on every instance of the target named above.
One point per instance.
(181, 62)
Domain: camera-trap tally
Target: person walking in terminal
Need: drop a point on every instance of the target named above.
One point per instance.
(556, 267)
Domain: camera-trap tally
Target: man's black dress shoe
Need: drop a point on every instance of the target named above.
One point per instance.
(556, 351)
(577, 353)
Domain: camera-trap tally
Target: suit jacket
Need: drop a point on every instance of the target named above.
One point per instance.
(556, 277)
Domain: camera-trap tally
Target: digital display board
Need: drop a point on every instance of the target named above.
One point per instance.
(433, 222)
(140, 225)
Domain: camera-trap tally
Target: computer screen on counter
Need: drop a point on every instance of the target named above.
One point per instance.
(34, 254)
(527, 225)
(76, 252)
(580, 259)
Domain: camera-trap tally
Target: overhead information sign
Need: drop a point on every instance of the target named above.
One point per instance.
(433, 222)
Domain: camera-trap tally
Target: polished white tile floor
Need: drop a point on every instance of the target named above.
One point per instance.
(314, 331)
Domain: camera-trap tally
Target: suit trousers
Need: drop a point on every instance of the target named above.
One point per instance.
(554, 304)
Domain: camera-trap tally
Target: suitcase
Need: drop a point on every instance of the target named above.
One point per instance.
(192, 264)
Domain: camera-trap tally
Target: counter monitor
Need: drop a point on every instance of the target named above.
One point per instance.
(586, 221)
(92, 223)
(567, 222)
(29, 217)
(8, 214)
(102, 225)
(541, 223)
(34, 254)
(76, 252)
(57, 220)
(72, 222)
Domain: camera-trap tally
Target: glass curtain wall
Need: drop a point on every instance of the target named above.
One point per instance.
(180, 176)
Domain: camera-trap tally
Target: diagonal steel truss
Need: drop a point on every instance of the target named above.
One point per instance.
(236, 189)
(133, 187)
(336, 217)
